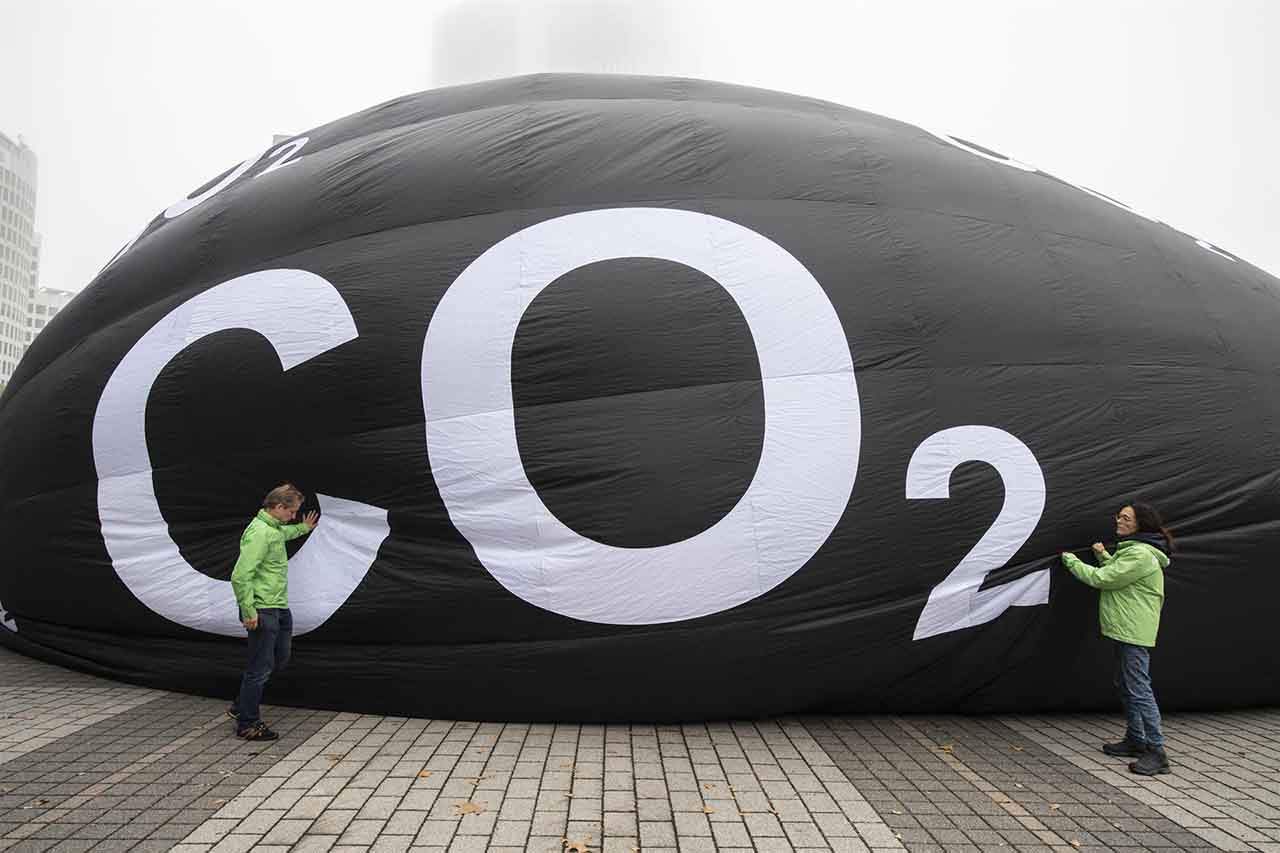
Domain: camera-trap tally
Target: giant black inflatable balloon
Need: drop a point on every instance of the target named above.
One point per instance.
(630, 398)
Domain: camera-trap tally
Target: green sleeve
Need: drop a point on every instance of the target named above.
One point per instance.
(253, 547)
(293, 531)
(1116, 572)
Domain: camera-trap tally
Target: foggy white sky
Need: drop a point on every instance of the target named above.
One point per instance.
(1172, 107)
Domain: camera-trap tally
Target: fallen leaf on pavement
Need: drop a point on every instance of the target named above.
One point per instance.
(1075, 843)
(424, 774)
(708, 810)
(947, 748)
(576, 847)
(468, 808)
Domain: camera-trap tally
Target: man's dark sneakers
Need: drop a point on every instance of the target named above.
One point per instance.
(1125, 749)
(1152, 763)
(257, 731)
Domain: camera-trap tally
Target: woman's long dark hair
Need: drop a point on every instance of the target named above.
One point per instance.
(1150, 521)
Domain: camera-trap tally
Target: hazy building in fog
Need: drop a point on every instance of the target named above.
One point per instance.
(19, 249)
(485, 39)
(478, 40)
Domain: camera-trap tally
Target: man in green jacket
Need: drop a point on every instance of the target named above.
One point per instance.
(261, 584)
(1131, 582)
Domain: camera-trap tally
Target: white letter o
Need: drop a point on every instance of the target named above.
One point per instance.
(811, 436)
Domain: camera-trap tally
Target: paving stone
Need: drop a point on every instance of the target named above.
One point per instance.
(307, 807)
(236, 844)
(657, 834)
(545, 844)
(469, 844)
(695, 845)
(332, 822)
(764, 826)
(391, 844)
(287, 831)
(362, 832)
(404, 823)
(692, 824)
(731, 835)
(773, 845)
(436, 833)
(212, 831)
(351, 798)
(834, 825)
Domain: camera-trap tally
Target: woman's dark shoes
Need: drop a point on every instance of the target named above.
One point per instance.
(1152, 763)
(1125, 749)
(257, 731)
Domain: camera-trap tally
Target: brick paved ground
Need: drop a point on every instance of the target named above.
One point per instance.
(87, 764)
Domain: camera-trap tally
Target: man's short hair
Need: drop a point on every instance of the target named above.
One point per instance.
(286, 495)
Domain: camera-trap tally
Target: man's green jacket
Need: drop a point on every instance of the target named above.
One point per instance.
(261, 575)
(1132, 585)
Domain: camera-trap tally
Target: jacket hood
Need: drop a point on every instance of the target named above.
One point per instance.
(1153, 540)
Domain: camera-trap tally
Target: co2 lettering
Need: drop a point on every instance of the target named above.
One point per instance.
(810, 448)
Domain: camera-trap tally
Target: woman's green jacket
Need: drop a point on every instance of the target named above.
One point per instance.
(1132, 590)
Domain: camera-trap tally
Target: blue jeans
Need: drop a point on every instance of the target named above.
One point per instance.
(1133, 680)
(269, 648)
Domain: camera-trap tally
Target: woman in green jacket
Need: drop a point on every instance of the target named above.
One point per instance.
(1131, 582)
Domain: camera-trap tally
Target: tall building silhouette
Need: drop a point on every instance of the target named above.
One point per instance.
(19, 249)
